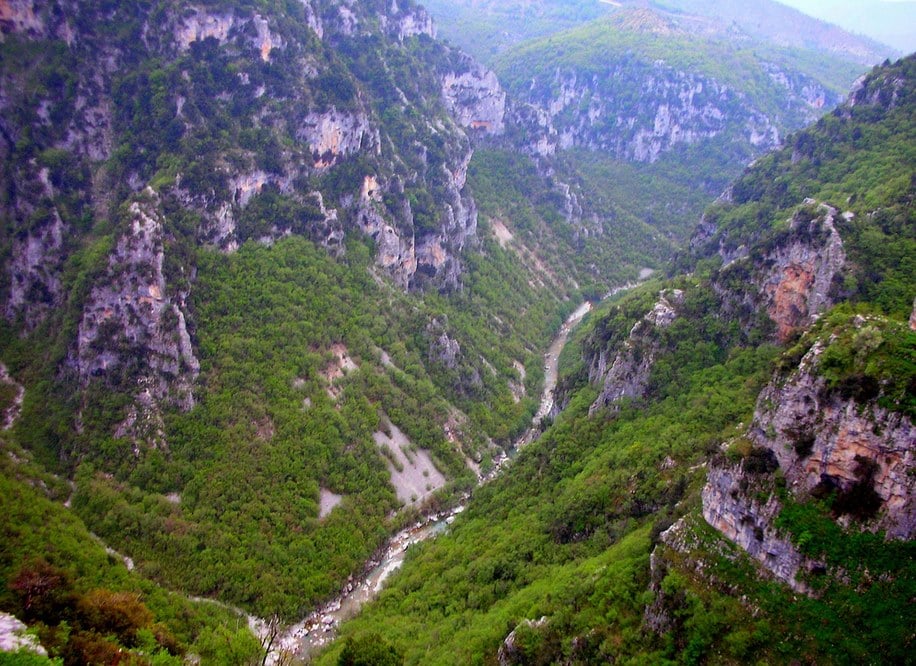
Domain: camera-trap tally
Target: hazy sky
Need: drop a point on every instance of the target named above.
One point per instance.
(890, 21)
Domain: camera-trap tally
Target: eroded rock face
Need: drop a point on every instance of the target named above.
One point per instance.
(827, 442)
(731, 505)
(130, 321)
(34, 272)
(443, 350)
(674, 108)
(402, 23)
(202, 24)
(627, 376)
(791, 277)
(475, 99)
(797, 285)
(394, 253)
(334, 134)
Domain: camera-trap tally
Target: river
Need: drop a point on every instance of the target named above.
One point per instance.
(320, 627)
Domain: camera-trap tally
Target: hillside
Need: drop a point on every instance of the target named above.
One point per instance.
(732, 473)
(237, 287)
(487, 28)
(668, 104)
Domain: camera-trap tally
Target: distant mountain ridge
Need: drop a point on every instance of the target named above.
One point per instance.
(488, 27)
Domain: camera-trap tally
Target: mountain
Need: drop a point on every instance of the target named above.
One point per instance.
(888, 21)
(691, 89)
(486, 28)
(711, 96)
(236, 288)
(731, 470)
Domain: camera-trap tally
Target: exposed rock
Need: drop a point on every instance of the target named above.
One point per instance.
(13, 636)
(203, 24)
(443, 350)
(731, 505)
(825, 441)
(797, 285)
(394, 253)
(130, 320)
(475, 99)
(675, 108)
(9, 415)
(411, 22)
(790, 277)
(327, 500)
(627, 376)
(413, 474)
(334, 134)
(21, 16)
(34, 270)
(510, 652)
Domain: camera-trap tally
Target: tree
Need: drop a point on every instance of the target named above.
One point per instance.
(369, 650)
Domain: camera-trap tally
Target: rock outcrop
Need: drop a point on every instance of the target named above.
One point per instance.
(732, 504)
(791, 276)
(839, 440)
(133, 326)
(474, 98)
(830, 437)
(595, 109)
(627, 375)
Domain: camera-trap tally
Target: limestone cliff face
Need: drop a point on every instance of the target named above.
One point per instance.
(196, 124)
(791, 276)
(627, 375)
(839, 439)
(133, 325)
(732, 504)
(832, 440)
(672, 108)
(602, 111)
(474, 98)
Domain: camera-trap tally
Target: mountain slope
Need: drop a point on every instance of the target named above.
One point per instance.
(691, 89)
(683, 404)
(225, 233)
(487, 29)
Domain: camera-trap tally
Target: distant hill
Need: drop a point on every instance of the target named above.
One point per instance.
(892, 22)
(486, 28)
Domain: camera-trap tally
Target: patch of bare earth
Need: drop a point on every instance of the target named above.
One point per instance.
(327, 500)
(339, 366)
(413, 474)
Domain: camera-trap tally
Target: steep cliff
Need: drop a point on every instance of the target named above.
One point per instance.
(793, 276)
(584, 93)
(627, 376)
(837, 428)
(152, 130)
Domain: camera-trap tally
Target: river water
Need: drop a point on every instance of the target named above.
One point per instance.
(320, 627)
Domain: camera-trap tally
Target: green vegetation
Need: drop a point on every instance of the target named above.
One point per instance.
(567, 533)
(84, 605)
(626, 45)
(859, 159)
(308, 350)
